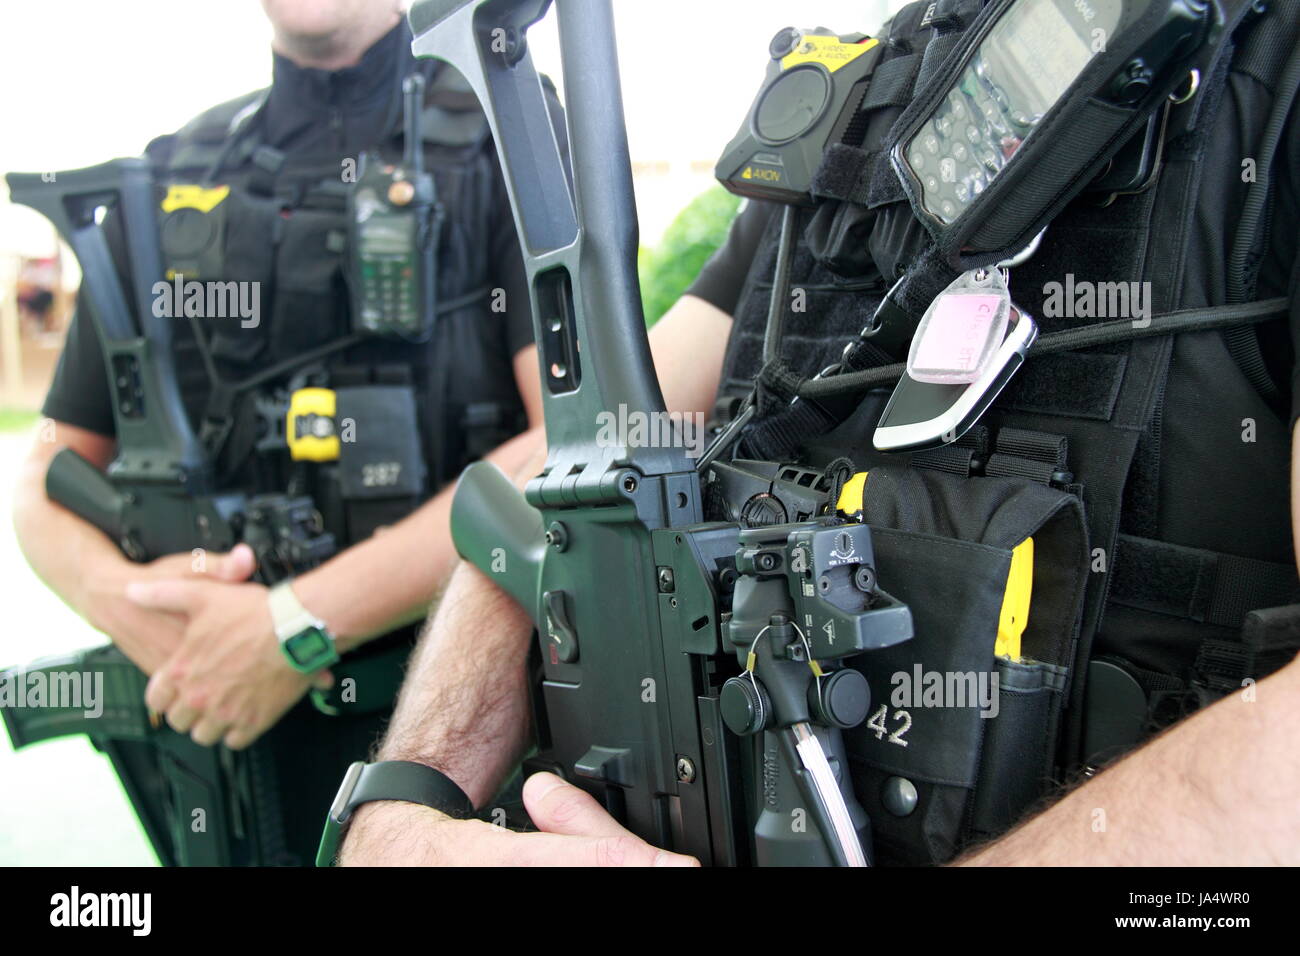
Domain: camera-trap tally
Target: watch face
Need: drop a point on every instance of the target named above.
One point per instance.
(309, 646)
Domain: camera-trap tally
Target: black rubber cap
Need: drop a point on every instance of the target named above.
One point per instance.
(845, 699)
(745, 707)
(762, 510)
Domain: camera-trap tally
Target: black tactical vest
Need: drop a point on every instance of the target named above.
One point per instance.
(285, 228)
(1153, 474)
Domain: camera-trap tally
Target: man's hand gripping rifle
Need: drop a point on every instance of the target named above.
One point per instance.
(693, 675)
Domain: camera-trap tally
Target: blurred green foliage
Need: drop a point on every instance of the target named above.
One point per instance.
(668, 269)
(17, 419)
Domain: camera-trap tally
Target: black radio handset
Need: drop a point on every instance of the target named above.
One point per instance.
(394, 224)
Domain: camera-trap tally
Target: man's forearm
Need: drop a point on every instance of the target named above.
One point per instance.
(1217, 789)
(391, 578)
(84, 567)
(464, 704)
(64, 550)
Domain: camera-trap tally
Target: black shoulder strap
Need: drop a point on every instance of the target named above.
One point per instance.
(452, 115)
(200, 141)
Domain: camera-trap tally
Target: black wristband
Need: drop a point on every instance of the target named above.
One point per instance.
(388, 780)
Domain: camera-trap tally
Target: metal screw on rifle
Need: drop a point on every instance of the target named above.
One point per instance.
(667, 584)
(864, 579)
(629, 483)
(131, 548)
(685, 770)
(766, 561)
(557, 536)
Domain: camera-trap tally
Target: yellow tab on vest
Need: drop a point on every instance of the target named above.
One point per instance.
(830, 52)
(185, 196)
(1015, 605)
(850, 502)
(309, 427)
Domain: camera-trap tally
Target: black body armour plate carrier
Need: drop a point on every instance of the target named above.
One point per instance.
(286, 228)
(1152, 474)
(436, 405)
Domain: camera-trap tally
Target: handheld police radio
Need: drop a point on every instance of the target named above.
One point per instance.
(800, 110)
(1025, 113)
(1032, 105)
(394, 224)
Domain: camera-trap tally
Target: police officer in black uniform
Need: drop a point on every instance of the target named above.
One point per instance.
(1202, 514)
(268, 175)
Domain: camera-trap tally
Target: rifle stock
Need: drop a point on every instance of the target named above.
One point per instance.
(498, 531)
(86, 491)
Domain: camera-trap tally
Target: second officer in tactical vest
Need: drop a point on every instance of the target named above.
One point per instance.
(359, 371)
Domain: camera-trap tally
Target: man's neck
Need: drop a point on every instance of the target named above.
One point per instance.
(340, 49)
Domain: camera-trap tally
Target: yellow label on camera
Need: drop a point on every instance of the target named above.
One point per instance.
(1015, 604)
(830, 52)
(309, 427)
(186, 196)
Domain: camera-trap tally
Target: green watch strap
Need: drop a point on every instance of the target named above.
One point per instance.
(388, 780)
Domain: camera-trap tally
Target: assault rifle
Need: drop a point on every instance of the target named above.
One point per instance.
(159, 497)
(693, 676)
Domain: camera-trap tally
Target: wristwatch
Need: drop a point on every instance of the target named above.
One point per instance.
(306, 641)
(388, 780)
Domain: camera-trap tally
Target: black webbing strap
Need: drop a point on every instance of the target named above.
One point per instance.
(1269, 640)
(1021, 453)
(891, 83)
(1222, 667)
(961, 457)
(783, 424)
(1196, 585)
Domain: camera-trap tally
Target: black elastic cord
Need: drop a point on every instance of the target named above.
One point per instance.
(1107, 333)
(838, 472)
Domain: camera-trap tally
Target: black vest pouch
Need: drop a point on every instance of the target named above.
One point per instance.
(961, 742)
(897, 239)
(381, 471)
(251, 226)
(837, 238)
(310, 295)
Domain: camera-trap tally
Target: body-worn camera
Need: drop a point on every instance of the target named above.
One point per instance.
(812, 76)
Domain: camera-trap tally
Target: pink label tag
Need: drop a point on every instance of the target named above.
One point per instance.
(957, 334)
